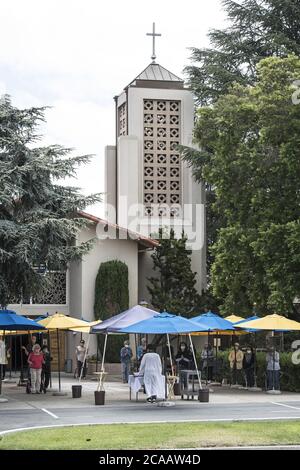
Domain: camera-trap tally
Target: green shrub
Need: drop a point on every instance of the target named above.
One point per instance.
(111, 298)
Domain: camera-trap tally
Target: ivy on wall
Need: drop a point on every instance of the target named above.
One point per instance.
(111, 298)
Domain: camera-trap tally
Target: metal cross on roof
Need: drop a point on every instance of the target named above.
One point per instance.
(153, 34)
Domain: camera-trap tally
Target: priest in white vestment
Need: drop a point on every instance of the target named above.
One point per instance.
(151, 369)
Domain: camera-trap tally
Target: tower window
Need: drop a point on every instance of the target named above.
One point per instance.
(162, 170)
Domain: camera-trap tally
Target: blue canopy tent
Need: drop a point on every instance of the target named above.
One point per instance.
(240, 323)
(166, 323)
(122, 320)
(213, 323)
(11, 321)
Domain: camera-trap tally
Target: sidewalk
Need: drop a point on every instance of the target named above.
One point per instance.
(118, 393)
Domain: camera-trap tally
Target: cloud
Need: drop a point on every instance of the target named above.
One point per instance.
(76, 55)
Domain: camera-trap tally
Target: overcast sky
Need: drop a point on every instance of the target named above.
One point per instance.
(76, 55)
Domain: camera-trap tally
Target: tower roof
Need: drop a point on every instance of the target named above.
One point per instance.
(155, 75)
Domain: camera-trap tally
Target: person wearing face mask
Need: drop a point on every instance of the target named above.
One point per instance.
(235, 358)
(248, 366)
(125, 356)
(207, 356)
(183, 360)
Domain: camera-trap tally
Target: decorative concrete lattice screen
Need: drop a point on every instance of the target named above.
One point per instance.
(122, 122)
(54, 289)
(162, 174)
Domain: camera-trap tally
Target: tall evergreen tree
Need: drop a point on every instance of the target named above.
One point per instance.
(38, 217)
(249, 141)
(257, 29)
(173, 287)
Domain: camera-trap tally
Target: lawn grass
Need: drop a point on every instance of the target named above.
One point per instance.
(156, 436)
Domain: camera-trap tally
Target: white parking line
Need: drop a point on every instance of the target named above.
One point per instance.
(49, 413)
(287, 406)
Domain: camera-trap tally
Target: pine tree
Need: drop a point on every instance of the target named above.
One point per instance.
(173, 287)
(257, 29)
(38, 217)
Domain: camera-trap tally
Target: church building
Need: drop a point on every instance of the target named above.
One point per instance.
(147, 187)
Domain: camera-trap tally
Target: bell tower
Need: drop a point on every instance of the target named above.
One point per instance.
(148, 185)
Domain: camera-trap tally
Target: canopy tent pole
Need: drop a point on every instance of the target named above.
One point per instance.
(170, 354)
(102, 364)
(49, 348)
(1, 365)
(207, 357)
(84, 359)
(194, 357)
(103, 355)
(59, 393)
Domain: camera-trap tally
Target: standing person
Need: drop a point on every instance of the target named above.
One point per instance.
(248, 366)
(4, 356)
(183, 360)
(141, 349)
(46, 369)
(273, 369)
(151, 369)
(29, 347)
(207, 356)
(35, 361)
(125, 356)
(235, 358)
(81, 353)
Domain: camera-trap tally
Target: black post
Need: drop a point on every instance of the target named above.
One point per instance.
(58, 360)
(49, 347)
(15, 348)
(22, 364)
(10, 356)
(207, 357)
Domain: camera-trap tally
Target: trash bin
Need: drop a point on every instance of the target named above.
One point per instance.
(76, 391)
(177, 389)
(68, 366)
(203, 395)
(100, 397)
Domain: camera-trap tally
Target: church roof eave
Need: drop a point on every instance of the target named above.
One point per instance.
(134, 236)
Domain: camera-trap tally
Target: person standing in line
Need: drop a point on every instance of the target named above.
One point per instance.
(36, 361)
(46, 369)
(207, 356)
(125, 356)
(141, 349)
(248, 366)
(235, 358)
(81, 353)
(273, 369)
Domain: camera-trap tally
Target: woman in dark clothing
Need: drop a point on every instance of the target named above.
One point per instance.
(46, 369)
(248, 366)
(184, 361)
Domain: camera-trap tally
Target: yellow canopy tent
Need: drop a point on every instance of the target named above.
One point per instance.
(234, 318)
(57, 322)
(272, 323)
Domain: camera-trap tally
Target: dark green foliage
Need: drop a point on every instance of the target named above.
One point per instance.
(249, 154)
(38, 216)
(111, 298)
(173, 286)
(257, 29)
